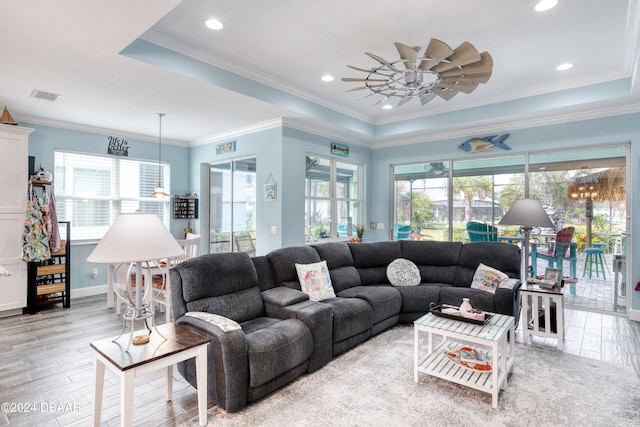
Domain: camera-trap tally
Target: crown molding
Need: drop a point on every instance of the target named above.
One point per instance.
(58, 124)
(246, 130)
(505, 125)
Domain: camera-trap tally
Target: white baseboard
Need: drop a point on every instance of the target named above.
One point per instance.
(634, 315)
(88, 291)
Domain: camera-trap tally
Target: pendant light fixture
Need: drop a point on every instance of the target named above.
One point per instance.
(159, 189)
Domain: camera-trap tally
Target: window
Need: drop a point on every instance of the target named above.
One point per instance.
(332, 198)
(233, 206)
(435, 203)
(91, 191)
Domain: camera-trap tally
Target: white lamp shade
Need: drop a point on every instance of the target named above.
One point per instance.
(135, 237)
(527, 212)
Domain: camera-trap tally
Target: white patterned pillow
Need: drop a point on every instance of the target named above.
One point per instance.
(221, 322)
(315, 281)
(402, 272)
(487, 278)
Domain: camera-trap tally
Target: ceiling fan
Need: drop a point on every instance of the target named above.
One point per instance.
(439, 70)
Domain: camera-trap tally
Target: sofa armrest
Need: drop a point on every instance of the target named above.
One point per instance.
(318, 317)
(283, 296)
(507, 301)
(227, 363)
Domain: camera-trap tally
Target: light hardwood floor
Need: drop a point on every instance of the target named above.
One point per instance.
(46, 363)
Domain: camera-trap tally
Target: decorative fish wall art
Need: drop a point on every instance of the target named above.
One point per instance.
(487, 143)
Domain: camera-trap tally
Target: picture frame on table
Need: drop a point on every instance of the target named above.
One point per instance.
(553, 275)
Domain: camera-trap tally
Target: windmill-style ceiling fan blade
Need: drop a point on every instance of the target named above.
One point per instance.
(365, 96)
(424, 99)
(464, 87)
(445, 94)
(408, 54)
(462, 55)
(404, 100)
(475, 78)
(436, 51)
(371, 70)
(382, 61)
(361, 79)
(364, 87)
(484, 66)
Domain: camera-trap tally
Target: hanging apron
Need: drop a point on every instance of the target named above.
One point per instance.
(36, 240)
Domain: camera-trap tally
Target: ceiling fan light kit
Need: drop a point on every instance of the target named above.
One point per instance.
(438, 71)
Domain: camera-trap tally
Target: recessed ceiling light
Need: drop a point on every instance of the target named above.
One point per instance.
(327, 78)
(214, 24)
(387, 107)
(545, 5)
(564, 67)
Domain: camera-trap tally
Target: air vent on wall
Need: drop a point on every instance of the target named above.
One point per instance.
(47, 96)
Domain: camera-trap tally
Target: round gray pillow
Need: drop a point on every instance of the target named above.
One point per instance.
(402, 272)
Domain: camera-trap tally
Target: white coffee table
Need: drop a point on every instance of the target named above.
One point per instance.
(492, 336)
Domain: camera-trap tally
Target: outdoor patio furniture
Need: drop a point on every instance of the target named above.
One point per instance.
(561, 249)
(594, 256)
(481, 232)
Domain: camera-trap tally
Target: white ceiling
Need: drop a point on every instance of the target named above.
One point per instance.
(78, 48)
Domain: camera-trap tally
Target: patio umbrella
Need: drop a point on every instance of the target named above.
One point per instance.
(606, 185)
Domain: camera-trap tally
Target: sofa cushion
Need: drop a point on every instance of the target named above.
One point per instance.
(283, 263)
(239, 306)
(340, 262)
(419, 298)
(384, 300)
(372, 259)
(315, 280)
(402, 272)
(437, 261)
(351, 316)
(276, 348)
(487, 278)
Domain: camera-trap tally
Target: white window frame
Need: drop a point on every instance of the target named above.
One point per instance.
(119, 195)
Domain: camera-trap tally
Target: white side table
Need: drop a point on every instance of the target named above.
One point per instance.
(536, 300)
(181, 344)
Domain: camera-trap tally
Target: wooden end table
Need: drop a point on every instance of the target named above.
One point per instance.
(536, 300)
(181, 344)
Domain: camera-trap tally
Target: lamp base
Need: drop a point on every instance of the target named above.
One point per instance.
(140, 340)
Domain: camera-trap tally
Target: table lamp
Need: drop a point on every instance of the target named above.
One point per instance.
(528, 214)
(136, 241)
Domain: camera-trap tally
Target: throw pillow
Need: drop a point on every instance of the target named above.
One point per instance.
(402, 272)
(487, 278)
(315, 280)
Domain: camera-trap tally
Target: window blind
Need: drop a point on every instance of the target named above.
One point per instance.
(91, 190)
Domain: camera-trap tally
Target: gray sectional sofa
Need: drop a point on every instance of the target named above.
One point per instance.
(265, 331)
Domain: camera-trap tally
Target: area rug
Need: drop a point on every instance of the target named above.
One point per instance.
(372, 385)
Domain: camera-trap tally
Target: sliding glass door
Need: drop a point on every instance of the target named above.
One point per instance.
(233, 206)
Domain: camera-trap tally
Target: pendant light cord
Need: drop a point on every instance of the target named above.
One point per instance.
(160, 115)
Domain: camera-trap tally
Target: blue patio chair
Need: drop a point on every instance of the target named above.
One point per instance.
(481, 232)
(561, 249)
(402, 231)
(343, 230)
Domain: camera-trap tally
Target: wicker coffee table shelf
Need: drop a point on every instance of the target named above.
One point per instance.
(492, 337)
